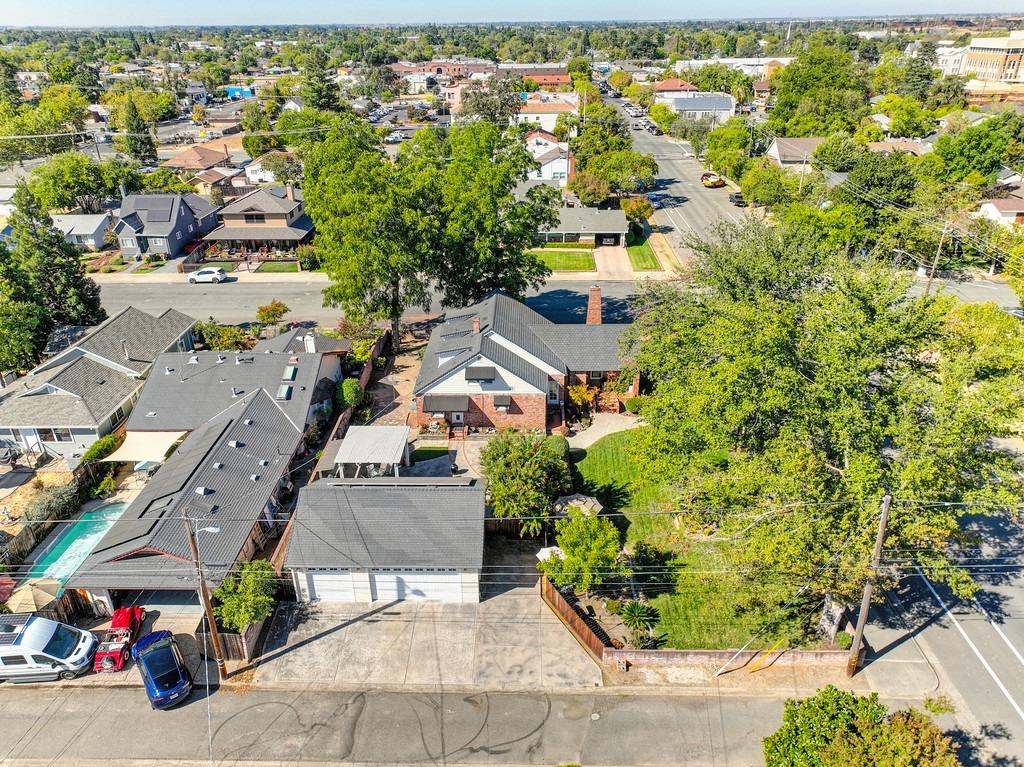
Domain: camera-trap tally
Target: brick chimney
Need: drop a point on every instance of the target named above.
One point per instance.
(476, 324)
(594, 306)
(289, 191)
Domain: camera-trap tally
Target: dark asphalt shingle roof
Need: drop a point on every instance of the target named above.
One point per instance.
(389, 522)
(145, 336)
(291, 341)
(192, 393)
(147, 547)
(264, 200)
(585, 347)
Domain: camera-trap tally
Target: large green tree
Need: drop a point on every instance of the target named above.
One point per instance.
(791, 375)
(590, 551)
(137, 139)
(496, 100)
(256, 121)
(821, 92)
(319, 91)
(74, 180)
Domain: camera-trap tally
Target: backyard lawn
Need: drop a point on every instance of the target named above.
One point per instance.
(279, 266)
(642, 257)
(698, 609)
(558, 260)
(429, 452)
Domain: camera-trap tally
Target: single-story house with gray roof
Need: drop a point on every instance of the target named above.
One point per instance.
(229, 473)
(388, 538)
(88, 384)
(597, 225)
(500, 364)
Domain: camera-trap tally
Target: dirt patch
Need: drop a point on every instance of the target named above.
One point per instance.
(391, 394)
(18, 501)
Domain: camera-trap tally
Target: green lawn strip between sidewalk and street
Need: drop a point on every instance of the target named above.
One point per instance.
(567, 260)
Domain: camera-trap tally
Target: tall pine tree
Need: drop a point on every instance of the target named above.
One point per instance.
(50, 266)
(137, 141)
(319, 91)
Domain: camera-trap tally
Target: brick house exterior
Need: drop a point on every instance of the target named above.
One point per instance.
(499, 364)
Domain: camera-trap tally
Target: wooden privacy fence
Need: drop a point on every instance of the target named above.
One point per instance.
(572, 620)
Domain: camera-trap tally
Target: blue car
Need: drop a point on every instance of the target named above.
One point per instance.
(164, 675)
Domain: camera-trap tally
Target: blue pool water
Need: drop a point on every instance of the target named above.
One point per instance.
(75, 543)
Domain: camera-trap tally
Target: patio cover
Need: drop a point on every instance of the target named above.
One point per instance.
(145, 446)
(373, 444)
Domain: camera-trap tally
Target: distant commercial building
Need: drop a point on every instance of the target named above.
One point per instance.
(996, 58)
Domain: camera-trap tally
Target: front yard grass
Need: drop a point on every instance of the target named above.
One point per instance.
(698, 609)
(567, 260)
(642, 257)
(279, 266)
(227, 266)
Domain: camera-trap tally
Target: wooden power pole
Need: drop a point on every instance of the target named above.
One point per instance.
(869, 587)
(204, 596)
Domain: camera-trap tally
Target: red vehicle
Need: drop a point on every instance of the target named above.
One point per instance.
(116, 647)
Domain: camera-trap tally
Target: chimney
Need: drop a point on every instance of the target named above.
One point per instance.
(476, 324)
(594, 306)
(289, 191)
(124, 348)
(309, 341)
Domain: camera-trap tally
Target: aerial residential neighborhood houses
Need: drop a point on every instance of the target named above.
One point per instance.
(384, 369)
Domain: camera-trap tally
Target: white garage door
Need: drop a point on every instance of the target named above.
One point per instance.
(420, 583)
(330, 585)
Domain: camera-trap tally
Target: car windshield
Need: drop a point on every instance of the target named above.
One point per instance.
(161, 665)
(62, 643)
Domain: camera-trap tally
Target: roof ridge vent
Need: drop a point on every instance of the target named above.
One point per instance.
(235, 443)
(193, 360)
(220, 359)
(168, 371)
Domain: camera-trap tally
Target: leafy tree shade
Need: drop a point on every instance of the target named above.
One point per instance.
(908, 117)
(23, 327)
(255, 120)
(272, 313)
(637, 209)
(486, 233)
(790, 374)
(52, 272)
(525, 474)
(821, 92)
(287, 168)
(624, 170)
(222, 338)
(74, 180)
(247, 596)
(165, 180)
(835, 728)
(8, 87)
(982, 148)
(590, 551)
(838, 153)
(496, 100)
(137, 141)
(318, 89)
(590, 188)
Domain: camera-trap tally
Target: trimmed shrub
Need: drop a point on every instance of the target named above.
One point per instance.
(634, 405)
(308, 258)
(348, 393)
(107, 487)
(559, 446)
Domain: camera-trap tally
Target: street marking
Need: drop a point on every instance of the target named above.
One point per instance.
(974, 647)
(999, 631)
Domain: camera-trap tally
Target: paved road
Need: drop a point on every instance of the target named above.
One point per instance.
(85, 727)
(977, 647)
(235, 302)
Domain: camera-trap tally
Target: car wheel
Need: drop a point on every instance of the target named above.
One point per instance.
(67, 674)
(191, 280)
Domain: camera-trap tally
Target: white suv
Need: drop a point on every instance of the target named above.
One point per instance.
(209, 274)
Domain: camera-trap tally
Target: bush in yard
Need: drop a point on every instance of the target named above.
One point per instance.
(107, 487)
(272, 313)
(101, 448)
(525, 474)
(634, 405)
(582, 396)
(308, 258)
(223, 338)
(348, 393)
(247, 596)
(361, 350)
(590, 552)
(559, 446)
(56, 503)
(835, 727)
(637, 209)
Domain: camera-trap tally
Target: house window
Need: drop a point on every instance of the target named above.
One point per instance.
(595, 375)
(117, 417)
(55, 435)
(255, 218)
(127, 242)
(190, 227)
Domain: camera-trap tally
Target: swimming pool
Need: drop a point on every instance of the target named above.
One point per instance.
(75, 543)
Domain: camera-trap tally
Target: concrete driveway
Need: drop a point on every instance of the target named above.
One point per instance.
(510, 641)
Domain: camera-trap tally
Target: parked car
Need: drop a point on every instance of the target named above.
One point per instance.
(737, 199)
(116, 647)
(208, 274)
(395, 137)
(36, 649)
(1018, 313)
(164, 674)
(712, 181)
(655, 130)
(655, 200)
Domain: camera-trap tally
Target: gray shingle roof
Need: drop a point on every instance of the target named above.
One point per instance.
(156, 215)
(147, 546)
(389, 522)
(145, 336)
(585, 347)
(297, 230)
(192, 393)
(591, 221)
(291, 341)
(266, 200)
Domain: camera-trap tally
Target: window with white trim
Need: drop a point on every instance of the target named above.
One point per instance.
(54, 435)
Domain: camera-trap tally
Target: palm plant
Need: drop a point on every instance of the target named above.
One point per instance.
(637, 616)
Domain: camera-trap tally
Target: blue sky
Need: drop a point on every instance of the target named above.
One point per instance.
(197, 12)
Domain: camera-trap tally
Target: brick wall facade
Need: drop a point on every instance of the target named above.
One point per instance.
(527, 411)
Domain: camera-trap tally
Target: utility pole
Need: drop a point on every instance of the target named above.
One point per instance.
(204, 597)
(869, 586)
(935, 261)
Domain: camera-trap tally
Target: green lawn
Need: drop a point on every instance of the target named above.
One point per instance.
(698, 609)
(569, 245)
(227, 266)
(642, 257)
(567, 260)
(279, 266)
(429, 452)
(147, 268)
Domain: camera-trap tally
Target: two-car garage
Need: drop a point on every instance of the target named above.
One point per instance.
(387, 584)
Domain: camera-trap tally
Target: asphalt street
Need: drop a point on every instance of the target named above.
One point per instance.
(976, 646)
(85, 727)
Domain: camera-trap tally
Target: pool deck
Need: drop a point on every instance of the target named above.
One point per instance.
(125, 495)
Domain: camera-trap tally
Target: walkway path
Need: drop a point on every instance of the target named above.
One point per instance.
(602, 425)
